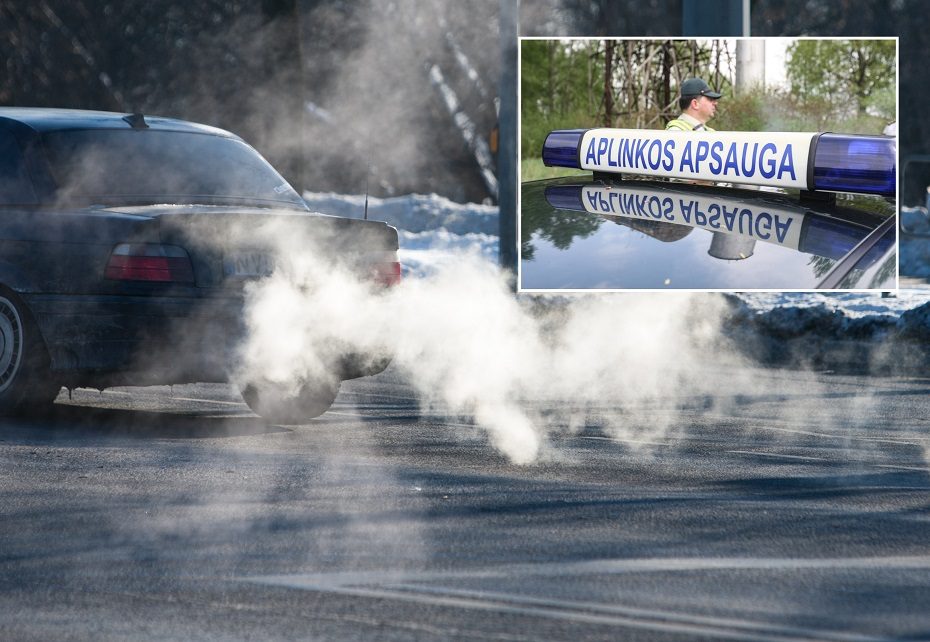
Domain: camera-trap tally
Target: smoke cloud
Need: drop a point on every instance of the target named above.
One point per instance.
(519, 369)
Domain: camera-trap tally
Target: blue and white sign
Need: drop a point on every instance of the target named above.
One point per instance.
(778, 159)
(821, 161)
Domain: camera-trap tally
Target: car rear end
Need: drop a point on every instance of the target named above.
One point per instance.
(134, 257)
(164, 301)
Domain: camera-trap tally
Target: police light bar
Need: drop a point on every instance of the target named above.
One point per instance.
(807, 161)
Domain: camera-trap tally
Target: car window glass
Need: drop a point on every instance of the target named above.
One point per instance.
(15, 186)
(151, 166)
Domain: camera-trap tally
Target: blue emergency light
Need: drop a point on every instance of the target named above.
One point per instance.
(811, 161)
(860, 164)
(561, 148)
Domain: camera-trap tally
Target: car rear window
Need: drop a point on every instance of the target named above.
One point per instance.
(152, 166)
(15, 185)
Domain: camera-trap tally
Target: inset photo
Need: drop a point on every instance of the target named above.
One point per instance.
(732, 164)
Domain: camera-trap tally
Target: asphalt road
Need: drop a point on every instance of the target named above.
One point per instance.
(797, 509)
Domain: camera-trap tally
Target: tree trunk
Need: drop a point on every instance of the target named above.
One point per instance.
(666, 75)
(608, 88)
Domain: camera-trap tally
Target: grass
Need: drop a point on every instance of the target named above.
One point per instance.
(532, 169)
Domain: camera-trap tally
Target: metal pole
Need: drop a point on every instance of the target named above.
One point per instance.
(713, 18)
(507, 140)
(750, 65)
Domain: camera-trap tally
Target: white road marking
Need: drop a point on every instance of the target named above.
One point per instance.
(616, 566)
(919, 469)
(775, 455)
(655, 618)
(795, 431)
(359, 393)
(224, 403)
(666, 622)
(413, 587)
(361, 415)
(638, 442)
(858, 436)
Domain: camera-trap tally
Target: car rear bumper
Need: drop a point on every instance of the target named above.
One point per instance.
(102, 341)
(142, 340)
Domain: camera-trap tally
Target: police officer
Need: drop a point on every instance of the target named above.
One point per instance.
(698, 104)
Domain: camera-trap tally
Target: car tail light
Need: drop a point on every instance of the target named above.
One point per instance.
(386, 274)
(383, 268)
(149, 262)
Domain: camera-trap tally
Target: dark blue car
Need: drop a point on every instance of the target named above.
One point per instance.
(126, 242)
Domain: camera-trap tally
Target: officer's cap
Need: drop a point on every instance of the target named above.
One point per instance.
(697, 87)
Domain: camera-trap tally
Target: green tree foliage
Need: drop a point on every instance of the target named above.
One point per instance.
(855, 76)
(561, 86)
(614, 83)
(743, 111)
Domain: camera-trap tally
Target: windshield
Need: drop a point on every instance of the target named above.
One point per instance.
(152, 166)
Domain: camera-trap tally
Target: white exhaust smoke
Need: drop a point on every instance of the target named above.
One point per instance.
(471, 348)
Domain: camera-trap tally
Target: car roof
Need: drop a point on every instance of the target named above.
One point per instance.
(586, 233)
(43, 119)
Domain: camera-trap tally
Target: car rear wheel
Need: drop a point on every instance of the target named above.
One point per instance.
(280, 405)
(24, 364)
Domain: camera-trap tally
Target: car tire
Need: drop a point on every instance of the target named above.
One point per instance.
(280, 405)
(25, 387)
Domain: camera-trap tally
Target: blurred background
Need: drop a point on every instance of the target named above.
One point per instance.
(400, 96)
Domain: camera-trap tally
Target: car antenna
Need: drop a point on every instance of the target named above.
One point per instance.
(367, 176)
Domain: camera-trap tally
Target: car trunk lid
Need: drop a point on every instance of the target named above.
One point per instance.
(230, 246)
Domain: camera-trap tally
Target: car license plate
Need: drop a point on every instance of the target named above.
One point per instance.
(249, 264)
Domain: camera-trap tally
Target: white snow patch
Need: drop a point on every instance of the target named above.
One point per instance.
(413, 212)
(435, 231)
(851, 304)
(432, 230)
(423, 253)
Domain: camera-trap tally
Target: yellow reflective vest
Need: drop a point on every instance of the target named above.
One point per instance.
(685, 126)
